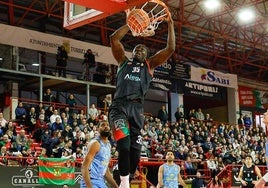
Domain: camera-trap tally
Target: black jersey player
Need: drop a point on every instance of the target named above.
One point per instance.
(126, 111)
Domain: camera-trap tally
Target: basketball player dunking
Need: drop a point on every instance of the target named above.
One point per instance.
(133, 80)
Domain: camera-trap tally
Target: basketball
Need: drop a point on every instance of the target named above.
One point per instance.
(138, 20)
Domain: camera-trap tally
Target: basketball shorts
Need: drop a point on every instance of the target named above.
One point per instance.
(126, 118)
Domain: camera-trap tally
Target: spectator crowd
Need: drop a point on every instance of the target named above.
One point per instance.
(197, 140)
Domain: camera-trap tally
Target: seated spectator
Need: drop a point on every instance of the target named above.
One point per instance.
(220, 164)
(67, 133)
(188, 166)
(20, 113)
(201, 164)
(181, 155)
(65, 121)
(207, 146)
(21, 140)
(81, 115)
(54, 116)
(69, 145)
(208, 117)
(83, 124)
(3, 156)
(198, 182)
(41, 126)
(197, 138)
(66, 154)
(31, 118)
(78, 154)
(57, 125)
(230, 158)
(93, 111)
(46, 138)
(247, 122)
(162, 114)
(43, 153)
(179, 115)
(145, 146)
(49, 97)
(11, 136)
(114, 153)
(209, 154)
(56, 145)
(5, 142)
(212, 165)
(71, 102)
(192, 114)
(93, 132)
(199, 114)
(78, 140)
(48, 113)
(216, 182)
(92, 119)
(29, 157)
(40, 109)
(3, 123)
(240, 121)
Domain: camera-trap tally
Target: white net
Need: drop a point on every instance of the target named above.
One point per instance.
(156, 12)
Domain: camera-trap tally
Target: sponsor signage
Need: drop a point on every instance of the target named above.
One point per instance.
(167, 76)
(202, 90)
(173, 70)
(11, 177)
(207, 76)
(251, 97)
(164, 83)
(34, 40)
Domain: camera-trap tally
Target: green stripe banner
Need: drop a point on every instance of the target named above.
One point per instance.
(56, 171)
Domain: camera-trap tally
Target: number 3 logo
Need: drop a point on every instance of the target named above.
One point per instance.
(139, 140)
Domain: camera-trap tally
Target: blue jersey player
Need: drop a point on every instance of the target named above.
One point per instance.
(95, 164)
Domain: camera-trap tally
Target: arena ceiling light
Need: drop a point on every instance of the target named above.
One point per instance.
(212, 5)
(246, 15)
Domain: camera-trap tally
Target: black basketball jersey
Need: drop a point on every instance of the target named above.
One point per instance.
(249, 173)
(132, 80)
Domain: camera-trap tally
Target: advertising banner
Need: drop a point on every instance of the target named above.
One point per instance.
(202, 90)
(15, 176)
(207, 76)
(251, 97)
(164, 83)
(34, 40)
(167, 76)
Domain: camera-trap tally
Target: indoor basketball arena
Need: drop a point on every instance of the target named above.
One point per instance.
(179, 85)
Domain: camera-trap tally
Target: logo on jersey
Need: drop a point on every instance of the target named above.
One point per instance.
(119, 124)
(133, 77)
(139, 139)
(136, 69)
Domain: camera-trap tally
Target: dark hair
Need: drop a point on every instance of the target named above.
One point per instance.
(101, 122)
(169, 151)
(248, 156)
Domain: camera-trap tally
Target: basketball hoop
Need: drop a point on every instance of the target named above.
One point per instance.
(145, 20)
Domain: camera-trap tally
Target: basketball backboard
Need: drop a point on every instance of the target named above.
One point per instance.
(81, 12)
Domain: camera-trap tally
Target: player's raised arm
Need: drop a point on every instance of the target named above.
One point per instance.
(163, 55)
(116, 45)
